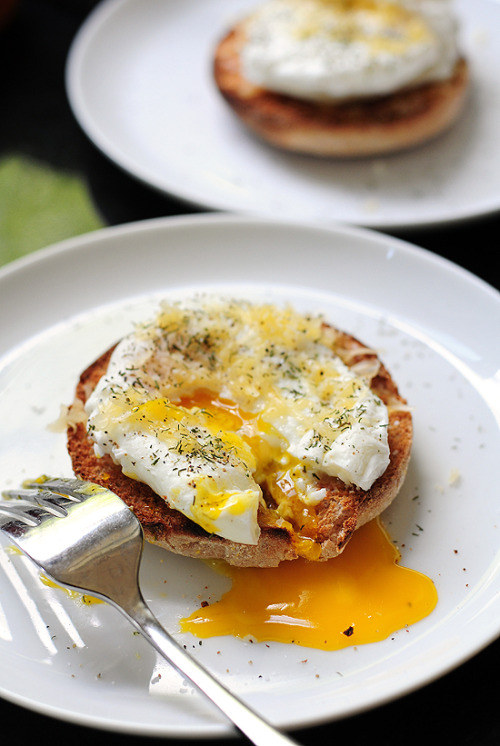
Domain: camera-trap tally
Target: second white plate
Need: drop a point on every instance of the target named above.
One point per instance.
(140, 84)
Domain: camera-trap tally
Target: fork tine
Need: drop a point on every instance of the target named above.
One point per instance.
(57, 491)
(72, 489)
(39, 499)
(18, 513)
(43, 495)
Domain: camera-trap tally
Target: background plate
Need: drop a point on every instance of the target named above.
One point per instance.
(68, 303)
(139, 81)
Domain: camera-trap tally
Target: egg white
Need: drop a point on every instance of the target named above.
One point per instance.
(339, 49)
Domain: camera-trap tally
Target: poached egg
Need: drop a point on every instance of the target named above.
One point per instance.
(215, 398)
(342, 49)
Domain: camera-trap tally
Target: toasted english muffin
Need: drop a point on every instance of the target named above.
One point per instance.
(345, 508)
(350, 128)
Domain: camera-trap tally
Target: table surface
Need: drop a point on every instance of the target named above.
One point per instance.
(54, 184)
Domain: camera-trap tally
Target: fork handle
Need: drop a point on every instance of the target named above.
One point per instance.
(248, 722)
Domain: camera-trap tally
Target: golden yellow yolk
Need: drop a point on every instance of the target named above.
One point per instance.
(226, 415)
(297, 515)
(279, 473)
(362, 596)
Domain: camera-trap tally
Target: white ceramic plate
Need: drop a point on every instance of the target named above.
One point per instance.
(139, 82)
(436, 327)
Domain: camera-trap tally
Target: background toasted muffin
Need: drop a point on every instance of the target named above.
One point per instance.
(345, 128)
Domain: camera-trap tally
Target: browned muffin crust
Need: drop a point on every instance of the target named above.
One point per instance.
(345, 509)
(353, 128)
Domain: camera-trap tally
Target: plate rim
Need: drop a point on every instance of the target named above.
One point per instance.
(76, 243)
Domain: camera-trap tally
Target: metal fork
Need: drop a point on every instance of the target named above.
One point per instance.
(85, 537)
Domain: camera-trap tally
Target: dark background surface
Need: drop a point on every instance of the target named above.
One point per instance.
(36, 123)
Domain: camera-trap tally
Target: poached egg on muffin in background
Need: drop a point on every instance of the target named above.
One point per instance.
(344, 77)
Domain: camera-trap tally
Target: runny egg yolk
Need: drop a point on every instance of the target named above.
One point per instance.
(362, 596)
(278, 470)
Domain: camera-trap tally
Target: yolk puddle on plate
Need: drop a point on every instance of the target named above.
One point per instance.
(362, 596)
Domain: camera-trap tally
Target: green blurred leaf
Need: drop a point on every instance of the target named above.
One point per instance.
(40, 206)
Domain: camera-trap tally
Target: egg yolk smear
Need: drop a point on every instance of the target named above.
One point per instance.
(361, 596)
